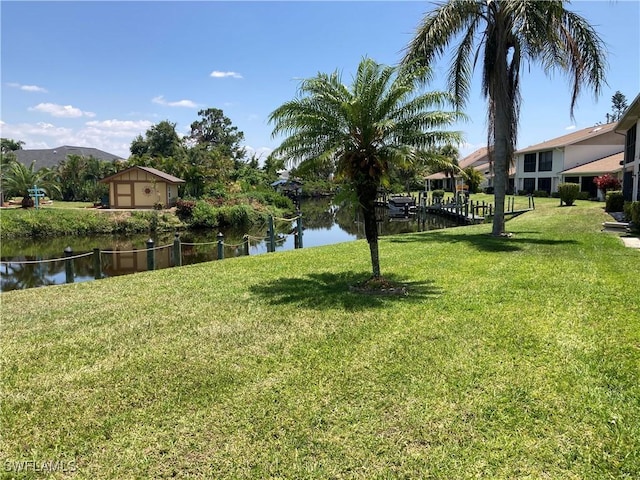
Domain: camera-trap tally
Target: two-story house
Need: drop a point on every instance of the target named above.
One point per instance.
(628, 126)
(479, 160)
(544, 165)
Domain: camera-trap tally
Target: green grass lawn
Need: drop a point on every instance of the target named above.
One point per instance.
(509, 358)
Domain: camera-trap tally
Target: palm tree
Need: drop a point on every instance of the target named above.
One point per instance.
(451, 153)
(18, 179)
(381, 120)
(503, 34)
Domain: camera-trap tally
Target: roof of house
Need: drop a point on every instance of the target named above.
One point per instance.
(436, 176)
(478, 157)
(610, 164)
(475, 159)
(630, 116)
(51, 157)
(572, 138)
(484, 168)
(153, 171)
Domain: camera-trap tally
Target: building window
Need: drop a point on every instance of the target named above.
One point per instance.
(572, 180)
(529, 162)
(529, 185)
(544, 184)
(545, 161)
(630, 149)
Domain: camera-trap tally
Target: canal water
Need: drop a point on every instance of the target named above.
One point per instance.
(29, 263)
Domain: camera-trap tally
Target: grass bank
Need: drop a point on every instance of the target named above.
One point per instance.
(59, 222)
(510, 358)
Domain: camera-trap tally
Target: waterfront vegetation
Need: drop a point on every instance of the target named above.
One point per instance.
(509, 358)
(56, 222)
(70, 218)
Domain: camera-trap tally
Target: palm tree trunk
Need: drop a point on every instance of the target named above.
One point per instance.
(367, 196)
(371, 232)
(502, 134)
(501, 139)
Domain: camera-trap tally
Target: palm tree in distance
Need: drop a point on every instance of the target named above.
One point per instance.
(450, 152)
(17, 179)
(501, 35)
(383, 119)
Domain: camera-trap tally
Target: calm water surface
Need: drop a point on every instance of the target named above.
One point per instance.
(324, 224)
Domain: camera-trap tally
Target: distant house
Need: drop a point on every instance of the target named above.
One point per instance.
(628, 126)
(584, 174)
(544, 165)
(479, 160)
(142, 187)
(52, 157)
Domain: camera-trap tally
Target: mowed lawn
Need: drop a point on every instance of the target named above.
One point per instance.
(509, 358)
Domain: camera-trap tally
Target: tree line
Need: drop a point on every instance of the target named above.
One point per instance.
(210, 159)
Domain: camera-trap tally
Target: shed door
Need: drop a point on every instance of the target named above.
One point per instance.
(124, 195)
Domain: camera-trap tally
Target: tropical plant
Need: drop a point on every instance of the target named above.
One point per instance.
(501, 35)
(568, 193)
(473, 179)
(9, 145)
(78, 178)
(451, 153)
(607, 182)
(381, 120)
(17, 179)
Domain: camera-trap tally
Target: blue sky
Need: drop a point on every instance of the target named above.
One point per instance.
(97, 74)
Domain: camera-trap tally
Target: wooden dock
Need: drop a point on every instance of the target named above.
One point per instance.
(469, 211)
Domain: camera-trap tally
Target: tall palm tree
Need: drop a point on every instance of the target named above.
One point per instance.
(503, 35)
(382, 119)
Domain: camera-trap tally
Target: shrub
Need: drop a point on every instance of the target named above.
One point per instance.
(236, 215)
(540, 193)
(632, 213)
(583, 196)
(437, 194)
(488, 190)
(271, 197)
(184, 209)
(615, 201)
(204, 215)
(568, 193)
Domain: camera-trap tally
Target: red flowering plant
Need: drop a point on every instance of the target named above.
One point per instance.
(607, 182)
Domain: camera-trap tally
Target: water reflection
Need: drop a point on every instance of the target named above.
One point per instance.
(324, 224)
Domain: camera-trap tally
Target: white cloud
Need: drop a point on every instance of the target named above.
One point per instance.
(28, 88)
(118, 128)
(570, 127)
(65, 111)
(219, 74)
(180, 103)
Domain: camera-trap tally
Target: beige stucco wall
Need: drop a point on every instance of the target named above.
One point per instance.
(140, 189)
(148, 193)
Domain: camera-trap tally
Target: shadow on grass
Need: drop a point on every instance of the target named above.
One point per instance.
(329, 290)
(482, 241)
